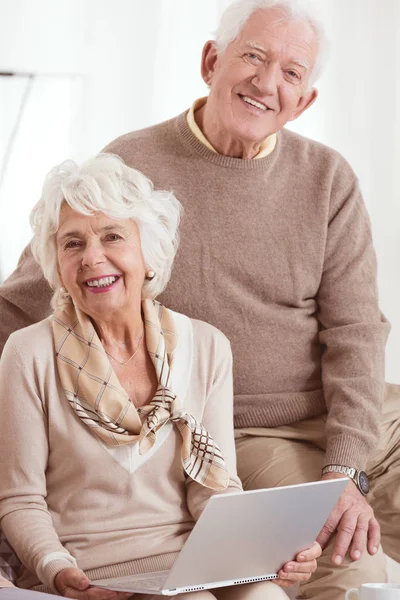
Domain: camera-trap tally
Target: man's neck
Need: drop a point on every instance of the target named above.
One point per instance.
(222, 143)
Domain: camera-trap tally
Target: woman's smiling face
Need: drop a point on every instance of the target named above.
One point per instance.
(100, 263)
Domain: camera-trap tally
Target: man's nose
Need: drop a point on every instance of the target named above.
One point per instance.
(92, 255)
(267, 78)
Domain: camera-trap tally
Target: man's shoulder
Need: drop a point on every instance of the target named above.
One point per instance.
(315, 153)
(131, 144)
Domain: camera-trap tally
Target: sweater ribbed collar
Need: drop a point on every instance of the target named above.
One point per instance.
(191, 141)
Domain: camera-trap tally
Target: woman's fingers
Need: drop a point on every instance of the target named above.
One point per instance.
(293, 568)
(71, 578)
(310, 554)
(97, 594)
(300, 570)
(73, 583)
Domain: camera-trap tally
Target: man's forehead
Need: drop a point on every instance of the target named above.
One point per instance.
(267, 27)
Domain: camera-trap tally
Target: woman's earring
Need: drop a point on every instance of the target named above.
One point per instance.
(64, 293)
(150, 274)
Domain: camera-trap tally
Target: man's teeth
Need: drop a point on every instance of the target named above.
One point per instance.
(254, 103)
(102, 282)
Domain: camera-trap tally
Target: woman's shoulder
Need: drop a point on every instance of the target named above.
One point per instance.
(209, 335)
(206, 337)
(32, 341)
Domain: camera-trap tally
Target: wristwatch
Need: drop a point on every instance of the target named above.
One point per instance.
(360, 478)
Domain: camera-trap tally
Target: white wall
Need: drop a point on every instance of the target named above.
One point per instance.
(135, 63)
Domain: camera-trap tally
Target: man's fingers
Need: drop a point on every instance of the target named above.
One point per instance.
(345, 532)
(360, 536)
(328, 530)
(374, 536)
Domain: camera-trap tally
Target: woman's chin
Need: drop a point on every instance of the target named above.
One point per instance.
(100, 306)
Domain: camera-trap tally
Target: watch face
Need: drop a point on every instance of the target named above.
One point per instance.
(363, 482)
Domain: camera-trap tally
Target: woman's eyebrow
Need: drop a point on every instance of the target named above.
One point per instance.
(116, 227)
(106, 228)
(68, 234)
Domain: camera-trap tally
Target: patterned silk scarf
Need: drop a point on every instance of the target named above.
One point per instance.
(97, 397)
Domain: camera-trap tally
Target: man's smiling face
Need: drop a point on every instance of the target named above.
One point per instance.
(261, 80)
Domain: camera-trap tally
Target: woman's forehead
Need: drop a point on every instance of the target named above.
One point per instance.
(72, 220)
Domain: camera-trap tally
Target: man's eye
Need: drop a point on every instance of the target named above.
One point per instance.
(293, 75)
(253, 57)
(113, 237)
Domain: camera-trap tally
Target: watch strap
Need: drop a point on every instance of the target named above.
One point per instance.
(362, 484)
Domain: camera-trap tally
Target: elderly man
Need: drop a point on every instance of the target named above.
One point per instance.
(276, 251)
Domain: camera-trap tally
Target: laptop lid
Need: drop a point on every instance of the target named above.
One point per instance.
(251, 534)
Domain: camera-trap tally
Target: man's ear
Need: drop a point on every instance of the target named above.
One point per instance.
(305, 102)
(208, 60)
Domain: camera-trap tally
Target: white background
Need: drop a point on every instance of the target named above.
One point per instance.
(104, 67)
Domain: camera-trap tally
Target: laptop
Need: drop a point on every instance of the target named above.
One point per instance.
(240, 538)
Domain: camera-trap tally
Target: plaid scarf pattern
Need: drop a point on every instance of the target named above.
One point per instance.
(98, 399)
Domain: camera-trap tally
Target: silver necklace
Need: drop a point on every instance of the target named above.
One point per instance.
(130, 358)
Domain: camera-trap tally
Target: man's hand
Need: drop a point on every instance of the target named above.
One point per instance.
(353, 520)
(73, 583)
(301, 569)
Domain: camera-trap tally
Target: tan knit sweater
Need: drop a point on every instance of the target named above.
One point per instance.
(276, 253)
(115, 512)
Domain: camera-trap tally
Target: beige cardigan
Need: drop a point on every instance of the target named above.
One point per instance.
(66, 499)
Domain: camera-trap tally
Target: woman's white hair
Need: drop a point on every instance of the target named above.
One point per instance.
(236, 15)
(105, 184)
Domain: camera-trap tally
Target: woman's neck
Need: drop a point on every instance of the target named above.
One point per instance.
(121, 338)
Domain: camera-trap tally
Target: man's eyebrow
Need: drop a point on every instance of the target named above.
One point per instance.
(256, 46)
(300, 63)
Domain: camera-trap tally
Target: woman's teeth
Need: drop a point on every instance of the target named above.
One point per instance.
(102, 282)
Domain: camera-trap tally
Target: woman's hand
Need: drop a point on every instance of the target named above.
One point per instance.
(73, 583)
(301, 569)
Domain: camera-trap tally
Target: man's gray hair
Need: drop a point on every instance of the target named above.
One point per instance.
(237, 14)
(105, 184)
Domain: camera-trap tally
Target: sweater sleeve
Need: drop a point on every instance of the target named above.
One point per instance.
(218, 420)
(353, 331)
(24, 515)
(24, 297)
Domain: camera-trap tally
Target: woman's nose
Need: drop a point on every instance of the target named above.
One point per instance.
(93, 255)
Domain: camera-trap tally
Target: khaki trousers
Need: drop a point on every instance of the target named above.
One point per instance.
(265, 590)
(270, 457)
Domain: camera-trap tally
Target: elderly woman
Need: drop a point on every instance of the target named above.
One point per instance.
(99, 401)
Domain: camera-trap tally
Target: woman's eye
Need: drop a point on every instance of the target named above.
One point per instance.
(72, 244)
(113, 237)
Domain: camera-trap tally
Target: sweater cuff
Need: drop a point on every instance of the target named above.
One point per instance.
(51, 565)
(347, 451)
